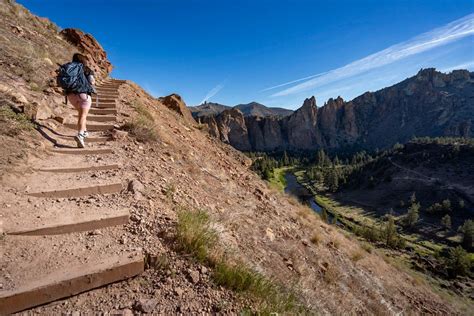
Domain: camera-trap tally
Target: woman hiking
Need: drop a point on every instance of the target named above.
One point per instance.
(80, 97)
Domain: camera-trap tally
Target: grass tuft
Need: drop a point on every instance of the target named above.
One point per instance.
(316, 238)
(357, 255)
(12, 124)
(194, 234)
(142, 127)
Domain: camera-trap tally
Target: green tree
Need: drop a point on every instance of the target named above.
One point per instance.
(461, 203)
(459, 261)
(446, 221)
(390, 232)
(267, 174)
(467, 229)
(335, 219)
(446, 205)
(324, 215)
(413, 198)
(413, 214)
(286, 160)
(333, 180)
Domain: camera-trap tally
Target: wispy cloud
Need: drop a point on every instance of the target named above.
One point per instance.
(421, 43)
(467, 65)
(213, 92)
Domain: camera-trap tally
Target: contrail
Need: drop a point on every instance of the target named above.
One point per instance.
(294, 81)
(213, 92)
(440, 36)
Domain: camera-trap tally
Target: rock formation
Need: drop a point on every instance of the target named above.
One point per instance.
(176, 103)
(88, 46)
(428, 104)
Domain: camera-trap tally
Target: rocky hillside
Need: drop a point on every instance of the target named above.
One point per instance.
(435, 171)
(167, 170)
(249, 109)
(430, 103)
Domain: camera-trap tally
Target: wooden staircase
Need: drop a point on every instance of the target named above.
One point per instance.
(47, 272)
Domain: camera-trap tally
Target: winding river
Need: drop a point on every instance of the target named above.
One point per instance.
(293, 187)
(300, 192)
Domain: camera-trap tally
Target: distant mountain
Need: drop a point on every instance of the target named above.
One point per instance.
(430, 103)
(257, 109)
(251, 109)
(208, 109)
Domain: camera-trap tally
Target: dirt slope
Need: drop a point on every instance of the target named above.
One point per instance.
(185, 167)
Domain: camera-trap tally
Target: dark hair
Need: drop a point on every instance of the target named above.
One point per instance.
(79, 58)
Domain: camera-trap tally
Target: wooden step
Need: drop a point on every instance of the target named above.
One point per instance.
(72, 224)
(82, 151)
(100, 118)
(80, 169)
(103, 105)
(81, 191)
(72, 281)
(92, 127)
(90, 139)
(98, 111)
(107, 96)
(104, 100)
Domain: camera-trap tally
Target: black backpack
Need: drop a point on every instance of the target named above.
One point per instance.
(72, 79)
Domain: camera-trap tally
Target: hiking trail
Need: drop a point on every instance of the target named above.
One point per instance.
(45, 256)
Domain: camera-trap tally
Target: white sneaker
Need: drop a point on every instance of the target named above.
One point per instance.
(85, 134)
(80, 140)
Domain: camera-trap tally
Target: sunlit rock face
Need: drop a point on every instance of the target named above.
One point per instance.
(430, 103)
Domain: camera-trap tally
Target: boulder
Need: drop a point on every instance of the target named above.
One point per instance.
(88, 46)
(175, 102)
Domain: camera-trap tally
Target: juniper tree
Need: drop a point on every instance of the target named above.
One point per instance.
(413, 214)
(446, 221)
(467, 229)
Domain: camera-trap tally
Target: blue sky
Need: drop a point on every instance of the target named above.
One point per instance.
(241, 51)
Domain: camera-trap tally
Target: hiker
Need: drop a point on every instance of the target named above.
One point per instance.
(77, 80)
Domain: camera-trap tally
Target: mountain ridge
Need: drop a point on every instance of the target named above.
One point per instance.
(247, 109)
(431, 103)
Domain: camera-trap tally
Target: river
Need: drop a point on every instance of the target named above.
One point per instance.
(300, 192)
(304, 195)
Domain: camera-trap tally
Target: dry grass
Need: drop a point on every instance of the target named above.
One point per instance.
(13, 124)
(331, 275)
(143, 126)
(315, 238)
(357, 255)
(195, 236)
(367, 247)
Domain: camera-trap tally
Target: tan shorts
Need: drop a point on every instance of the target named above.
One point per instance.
(80, 101)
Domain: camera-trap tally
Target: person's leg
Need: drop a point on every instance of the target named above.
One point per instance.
(85, 106)
(80, 119)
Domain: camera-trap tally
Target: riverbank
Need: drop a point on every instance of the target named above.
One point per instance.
(418, 255)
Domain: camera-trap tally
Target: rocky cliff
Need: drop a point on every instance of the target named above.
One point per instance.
(430, 103)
